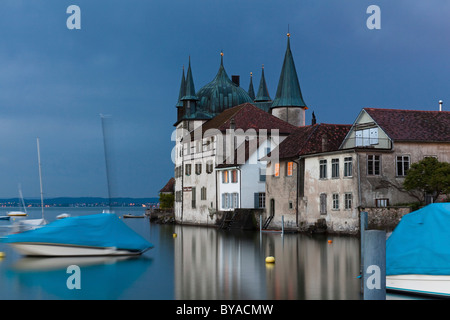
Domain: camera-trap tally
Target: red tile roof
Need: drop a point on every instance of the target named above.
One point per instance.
(413, 125)
(308, 140)
(247, 116)
(169, 187)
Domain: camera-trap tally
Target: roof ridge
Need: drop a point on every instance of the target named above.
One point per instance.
(409, 110)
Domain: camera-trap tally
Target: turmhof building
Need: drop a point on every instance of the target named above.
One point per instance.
(212, 123)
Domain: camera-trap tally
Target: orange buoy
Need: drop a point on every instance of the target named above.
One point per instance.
(330, 241)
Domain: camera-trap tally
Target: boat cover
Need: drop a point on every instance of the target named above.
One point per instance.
(97, 230)
(420, 244)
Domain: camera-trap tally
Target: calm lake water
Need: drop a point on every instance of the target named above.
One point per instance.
(191, 263)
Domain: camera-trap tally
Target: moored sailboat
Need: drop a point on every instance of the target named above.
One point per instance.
(101, 234)
(418, 252)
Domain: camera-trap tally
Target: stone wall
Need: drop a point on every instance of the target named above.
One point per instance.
(385, 218)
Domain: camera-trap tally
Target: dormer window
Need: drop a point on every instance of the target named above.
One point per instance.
(366, 137)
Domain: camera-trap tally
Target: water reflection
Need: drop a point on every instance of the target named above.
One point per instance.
(100, 276)
(211, 264)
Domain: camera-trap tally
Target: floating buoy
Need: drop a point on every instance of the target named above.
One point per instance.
(330, 241)
(270, 259)
(2, 255)
(174, 235)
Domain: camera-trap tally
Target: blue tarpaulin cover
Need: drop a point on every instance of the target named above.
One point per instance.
(420, 244)
(97, 230)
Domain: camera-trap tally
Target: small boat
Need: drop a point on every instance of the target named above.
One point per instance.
(133, 216)
(62, 216)
(16, 214)
(418, 253)
(5, 217)
(91, 235)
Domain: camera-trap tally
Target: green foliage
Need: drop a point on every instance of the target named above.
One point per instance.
(429, 176)
(166, 201)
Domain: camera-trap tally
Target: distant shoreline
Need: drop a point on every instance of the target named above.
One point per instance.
(81, 202)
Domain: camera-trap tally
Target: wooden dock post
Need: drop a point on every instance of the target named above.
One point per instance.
(374, 266)
(364, 224)
(260, 224)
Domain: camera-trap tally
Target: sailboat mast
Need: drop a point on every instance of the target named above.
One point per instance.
(21, 199)
(107, 164)
(40, 177)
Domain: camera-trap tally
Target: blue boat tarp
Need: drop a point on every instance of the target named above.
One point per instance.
(420, 244)
(97, 230)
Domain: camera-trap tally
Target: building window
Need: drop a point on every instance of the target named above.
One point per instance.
(234, 176)
(193, 198)
(366, 137)
(373, 165)
(225, 178)
(187, 169)
(323, 203)
(291, 205)
(334, 168)
(335, 201)
(225, 200)
(209, 166)
(277, 169)
(203, 193)
(262, 174)
(198, 168)
(348, 200)
(402, 165)
(260, 200)
(235, 197)
(381, 203)
(323, 169)
(348, 167)
(289, 168)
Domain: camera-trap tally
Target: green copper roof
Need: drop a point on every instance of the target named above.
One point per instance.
(263, 93)
(190, 89)
(221, 94)
(182, 90)
(251, 91)
(288, 91)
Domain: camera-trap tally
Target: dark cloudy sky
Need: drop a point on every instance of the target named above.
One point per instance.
(126, 61)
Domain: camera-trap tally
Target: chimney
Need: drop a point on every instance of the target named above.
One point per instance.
(232, 124)
(324, 143)
(313, 120)
(236, 80)
(440, 105)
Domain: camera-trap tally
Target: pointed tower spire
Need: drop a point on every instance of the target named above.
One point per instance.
(288, 104)
(263, 92)
(190, 99)
(182, 90)
(251, 91)
(179, 105)
(288, 90)
(190, 89)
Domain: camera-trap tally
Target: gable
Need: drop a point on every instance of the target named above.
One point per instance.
(366, 133)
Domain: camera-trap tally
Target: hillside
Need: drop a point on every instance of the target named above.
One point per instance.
(80, 202)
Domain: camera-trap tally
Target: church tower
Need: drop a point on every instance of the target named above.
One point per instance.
(288, 104)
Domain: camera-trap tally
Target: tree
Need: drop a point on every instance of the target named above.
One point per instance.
(166, 200)
(429, 176)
